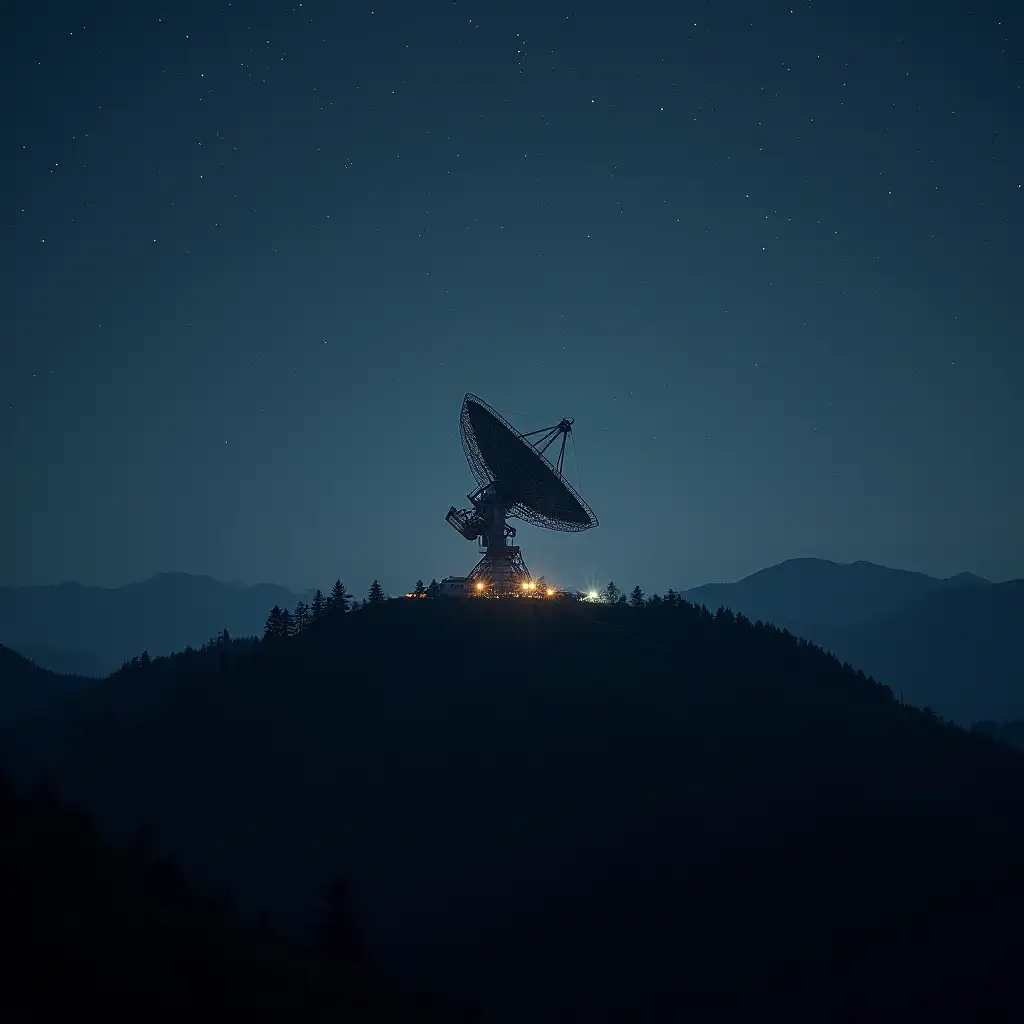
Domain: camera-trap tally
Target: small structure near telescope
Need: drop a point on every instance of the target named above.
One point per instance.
(516, 480)
(453, 586)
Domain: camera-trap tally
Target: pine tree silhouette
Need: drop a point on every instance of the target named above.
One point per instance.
(338, 602)
(636, 597)
(319, 606)
(376, 594)
(301, 616)
(611, 593)
(419, 590)
(272, 628)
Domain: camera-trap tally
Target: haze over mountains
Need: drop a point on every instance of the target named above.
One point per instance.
(801, 594)
(596, 810)
(952, 644)
(946, 643)
(93, 630)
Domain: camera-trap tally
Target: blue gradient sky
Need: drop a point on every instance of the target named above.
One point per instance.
(767, 255)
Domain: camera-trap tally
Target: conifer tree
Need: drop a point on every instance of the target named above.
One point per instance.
(671, 597)
(319, 606)
(376, 594)
(434, 590)
(636, 597)
(272, 628)
(287, 623)
(301, 617)
(338, 602)
(419, 590)
(611, 593)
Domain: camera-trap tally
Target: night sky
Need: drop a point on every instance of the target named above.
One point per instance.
(766, 254)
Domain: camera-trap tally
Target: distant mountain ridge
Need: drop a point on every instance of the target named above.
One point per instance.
(94, 629)
(885, 621)
(950, 644)
(803, 593)
(957, 650)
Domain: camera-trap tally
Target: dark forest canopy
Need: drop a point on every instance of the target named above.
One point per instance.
(618, 811)
(26, 689)
(121, 934)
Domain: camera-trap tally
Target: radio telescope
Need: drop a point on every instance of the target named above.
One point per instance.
(516, 480)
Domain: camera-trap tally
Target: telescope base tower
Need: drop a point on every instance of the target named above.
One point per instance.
(503, 573)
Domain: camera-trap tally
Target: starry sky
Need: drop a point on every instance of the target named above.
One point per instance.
(766, 254)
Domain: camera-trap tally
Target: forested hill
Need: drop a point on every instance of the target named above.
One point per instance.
(613, 812)
(121, 935)
(25, 688)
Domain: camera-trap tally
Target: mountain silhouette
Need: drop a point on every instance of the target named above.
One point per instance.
(957, 649)
(1011, 733)
(26, 689)
(804, 593)
(105, 626)
(944, 643)
(576, 812)
(63, 661)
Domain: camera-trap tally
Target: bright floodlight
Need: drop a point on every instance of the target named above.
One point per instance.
(479, 586)
(593, 595)
(550, 592)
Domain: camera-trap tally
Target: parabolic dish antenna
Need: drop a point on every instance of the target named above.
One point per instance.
(516, 480)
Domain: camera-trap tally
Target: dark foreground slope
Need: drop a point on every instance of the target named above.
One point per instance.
(95, 932)
(26, 689)
(590, 813)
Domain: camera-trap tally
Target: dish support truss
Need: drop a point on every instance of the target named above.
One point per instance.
(501, 571)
